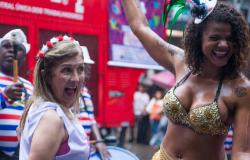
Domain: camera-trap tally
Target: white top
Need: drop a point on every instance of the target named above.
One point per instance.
(141, 100)
(77, 141)
(152, 102)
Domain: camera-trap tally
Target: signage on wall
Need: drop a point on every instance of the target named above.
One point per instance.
(125, 49)
(70, 9)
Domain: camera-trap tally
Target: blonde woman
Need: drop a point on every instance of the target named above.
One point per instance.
(50, 128)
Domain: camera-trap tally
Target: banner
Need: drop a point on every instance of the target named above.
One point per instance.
(125, 48)
(70, 9)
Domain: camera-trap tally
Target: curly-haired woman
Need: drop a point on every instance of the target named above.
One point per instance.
(211, 92)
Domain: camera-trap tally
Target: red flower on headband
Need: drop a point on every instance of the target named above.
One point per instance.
(60, 38)
(49, 44)
(40, 55)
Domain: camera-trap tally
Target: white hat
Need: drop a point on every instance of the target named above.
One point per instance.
(19, 37)
(86, 55)
(209, 4)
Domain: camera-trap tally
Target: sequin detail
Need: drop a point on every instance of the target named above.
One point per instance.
(203, 120)
(161, 154)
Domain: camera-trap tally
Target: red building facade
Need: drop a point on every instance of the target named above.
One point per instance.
(112, 87)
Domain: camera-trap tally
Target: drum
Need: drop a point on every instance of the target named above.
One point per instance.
(117, 153)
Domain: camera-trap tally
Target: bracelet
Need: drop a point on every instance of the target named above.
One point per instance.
(97, 141)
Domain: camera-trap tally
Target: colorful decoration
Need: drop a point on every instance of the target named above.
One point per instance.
(170, 5)
(125, 48)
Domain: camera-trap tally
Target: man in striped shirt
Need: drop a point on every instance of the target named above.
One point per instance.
(12, 94)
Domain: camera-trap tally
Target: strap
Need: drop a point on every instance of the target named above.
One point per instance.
(219, 88)
(183, 80)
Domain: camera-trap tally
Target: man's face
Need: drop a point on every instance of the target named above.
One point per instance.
(7, 56)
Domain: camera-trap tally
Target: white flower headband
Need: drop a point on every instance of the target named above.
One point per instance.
(49, 44)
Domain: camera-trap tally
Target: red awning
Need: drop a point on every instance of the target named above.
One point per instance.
(165, 79)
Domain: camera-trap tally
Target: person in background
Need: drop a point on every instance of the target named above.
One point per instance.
(155, 110)
(211, 92)
(87, 117)
(228, 143)
(50, 126)
(13, 95)
(140, 101)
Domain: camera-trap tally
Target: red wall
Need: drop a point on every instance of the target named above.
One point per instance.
(120, 86)
(91, 25)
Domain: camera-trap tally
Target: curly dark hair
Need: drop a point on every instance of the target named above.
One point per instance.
(224, 13)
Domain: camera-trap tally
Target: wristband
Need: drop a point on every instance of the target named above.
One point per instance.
(97, 141)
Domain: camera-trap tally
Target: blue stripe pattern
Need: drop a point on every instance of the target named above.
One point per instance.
(8, 149)
(20, 108)
(8, 127)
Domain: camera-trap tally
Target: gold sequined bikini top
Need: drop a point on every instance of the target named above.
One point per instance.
(204, 119)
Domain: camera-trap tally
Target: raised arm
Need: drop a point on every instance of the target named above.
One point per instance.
(167, 55)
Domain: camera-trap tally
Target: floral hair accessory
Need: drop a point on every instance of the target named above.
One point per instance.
(50, 44)
(40, 55)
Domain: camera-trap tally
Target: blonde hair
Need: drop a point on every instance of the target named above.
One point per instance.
(60, 51)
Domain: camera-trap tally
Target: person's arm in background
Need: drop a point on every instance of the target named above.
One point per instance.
(150, 105)
(100, 145)
(87, 118)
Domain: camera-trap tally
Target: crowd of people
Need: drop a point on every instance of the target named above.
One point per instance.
(207, 109)
(148, 112)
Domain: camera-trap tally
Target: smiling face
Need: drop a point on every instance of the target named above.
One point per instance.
(67, 79)
(7, 56)
(217, 44)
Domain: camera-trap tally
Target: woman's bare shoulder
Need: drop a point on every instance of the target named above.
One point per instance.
(235, 94)
(240, 88)
(52, 117)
